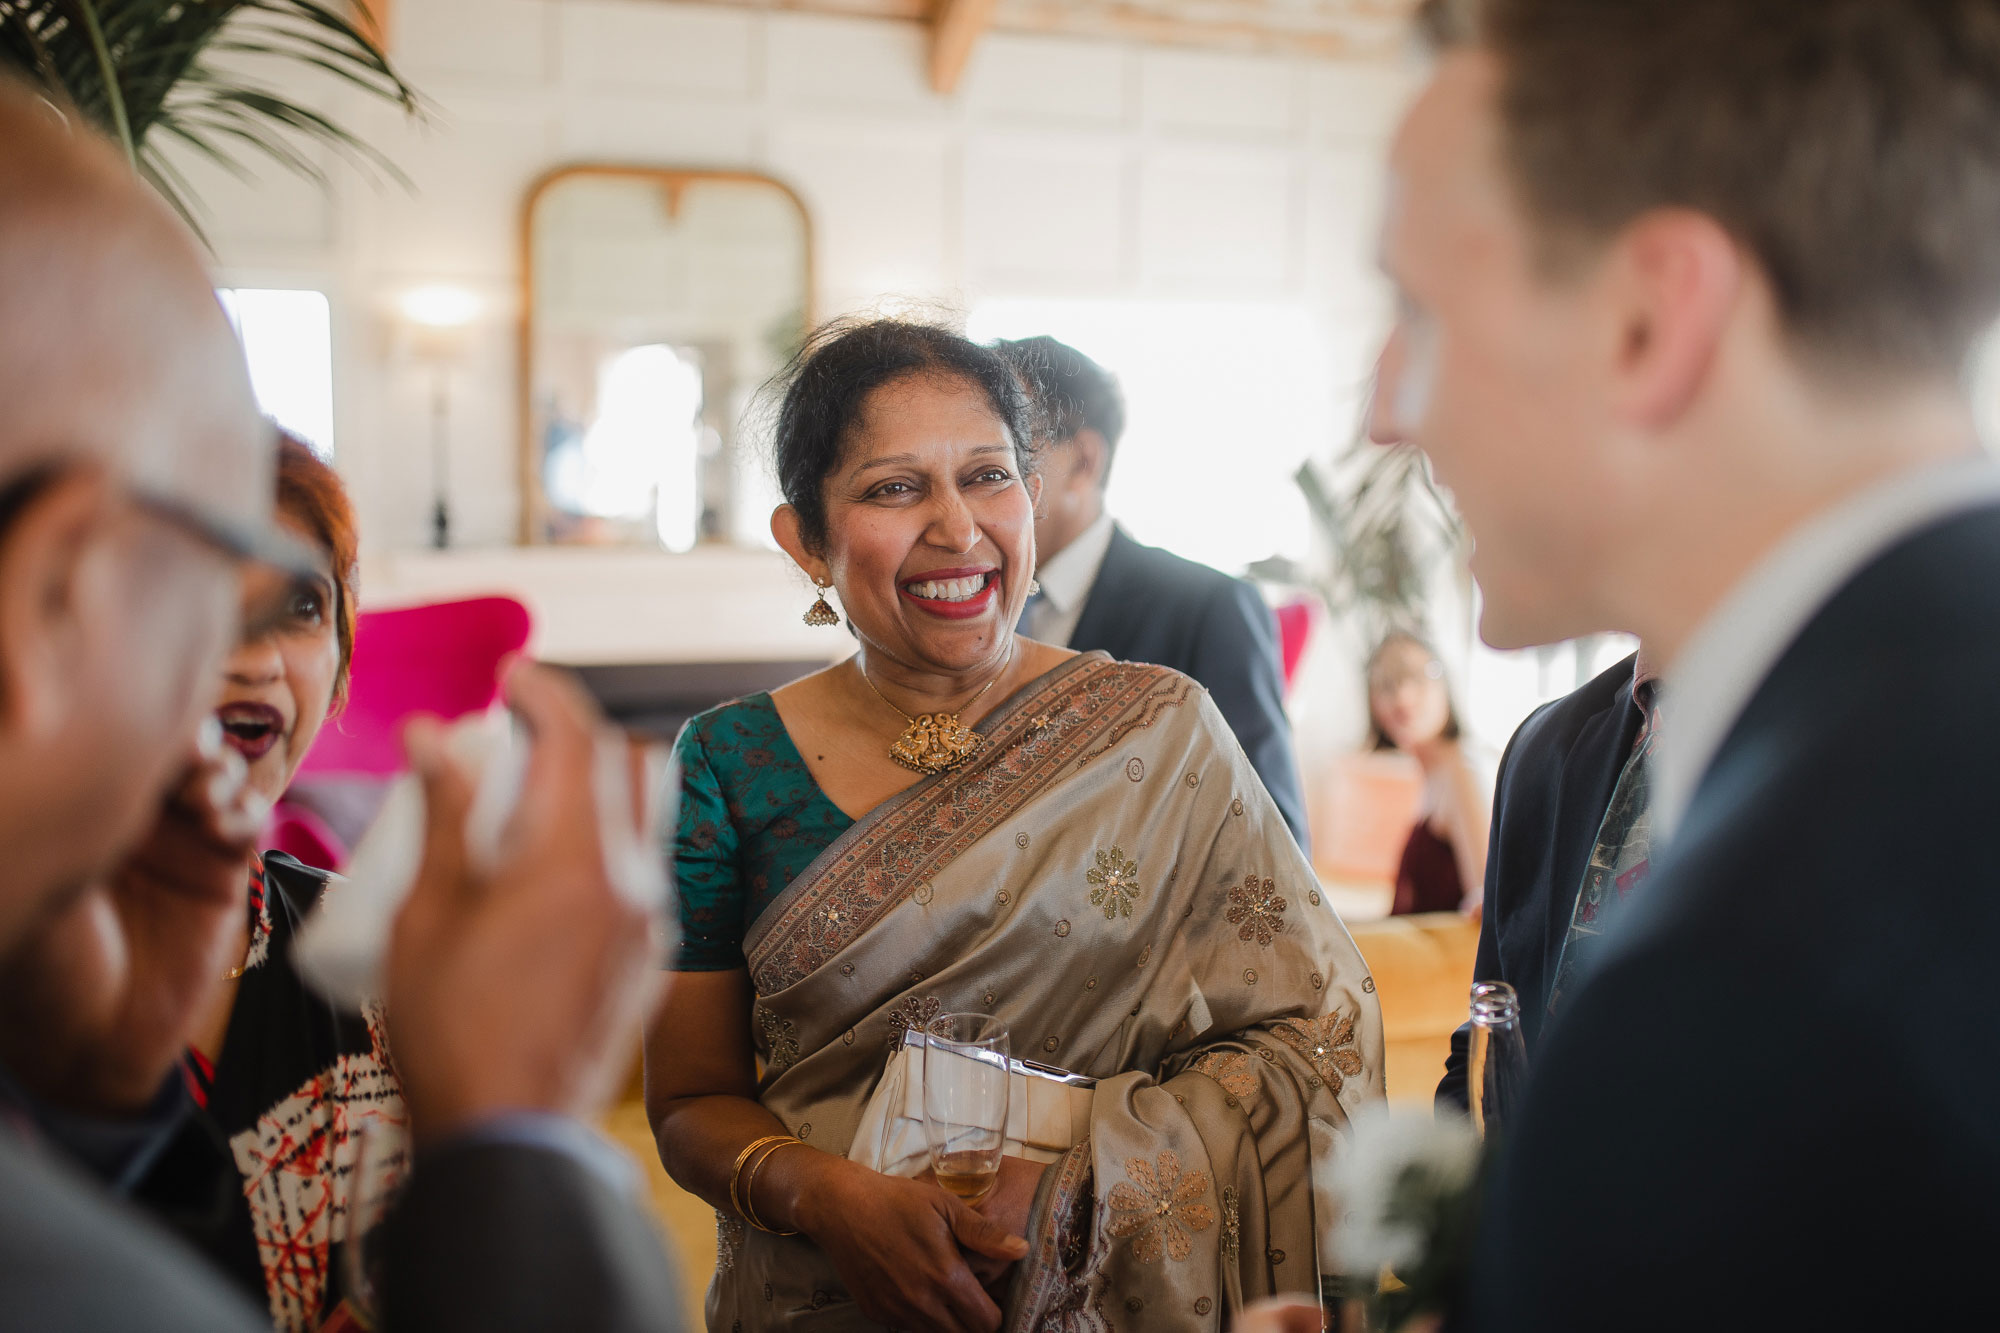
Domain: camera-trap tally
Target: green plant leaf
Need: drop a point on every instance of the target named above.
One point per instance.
(136, 68)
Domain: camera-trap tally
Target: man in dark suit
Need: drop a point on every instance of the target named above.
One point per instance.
(1103, 591)
(1556, 785)
(135, 491)
(1687, 294)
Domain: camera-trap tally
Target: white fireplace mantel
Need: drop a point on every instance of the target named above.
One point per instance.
(603, 606)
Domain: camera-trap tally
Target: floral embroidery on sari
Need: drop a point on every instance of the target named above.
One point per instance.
(915, 1012)
(879, 862)
(1229, 1068)
(1326, 1042)
(1116, 881)
(728, 1239)
(1256, 907)
(1159, 1208)
(780, 1039)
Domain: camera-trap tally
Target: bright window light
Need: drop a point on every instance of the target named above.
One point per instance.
(1501, 689)
(1223, 400)
(288, 340)
(639, 460)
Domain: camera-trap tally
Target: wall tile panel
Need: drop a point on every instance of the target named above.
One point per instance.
(1218, 222)
(1043, 212)
(1358, 103)
(627, 46)
(470, 172)
(1205, 91)
(1020, 78)
(878, 204)
(659, 132)
(500, 42)
(845, 63)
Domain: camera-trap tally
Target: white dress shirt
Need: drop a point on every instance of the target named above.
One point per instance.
(1704, 693)
(1067, 578)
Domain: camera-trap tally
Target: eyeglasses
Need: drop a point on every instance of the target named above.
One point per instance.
(1387, 680)
(237, 540)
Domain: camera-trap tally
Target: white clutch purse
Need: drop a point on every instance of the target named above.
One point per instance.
(1048, 1111)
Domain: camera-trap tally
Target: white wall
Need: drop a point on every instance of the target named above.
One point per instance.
(1062, 169)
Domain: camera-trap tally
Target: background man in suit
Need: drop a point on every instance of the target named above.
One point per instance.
(1103, 591)
(135, 485)
(1570, 844)
(1687, 293)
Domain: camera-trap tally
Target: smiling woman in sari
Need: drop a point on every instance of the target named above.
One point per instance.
(957, 818)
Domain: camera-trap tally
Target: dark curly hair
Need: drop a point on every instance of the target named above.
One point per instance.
(1072, 392)
(828, 383)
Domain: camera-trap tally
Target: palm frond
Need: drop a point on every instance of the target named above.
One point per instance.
(1383, 524)
(142, 70)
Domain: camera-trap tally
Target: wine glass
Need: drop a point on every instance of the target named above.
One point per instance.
(965, 1101)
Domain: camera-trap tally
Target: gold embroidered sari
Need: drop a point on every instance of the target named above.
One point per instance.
(1110, 879)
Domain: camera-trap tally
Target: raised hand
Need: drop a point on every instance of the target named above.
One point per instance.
(97, 1005)
(519, 986)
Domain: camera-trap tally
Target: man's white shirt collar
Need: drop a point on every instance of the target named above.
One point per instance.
(1706, 690)
(1067, 578)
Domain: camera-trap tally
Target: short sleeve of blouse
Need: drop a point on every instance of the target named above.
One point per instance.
(707, 886)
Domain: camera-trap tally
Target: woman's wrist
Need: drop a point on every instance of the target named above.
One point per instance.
(793, 1191)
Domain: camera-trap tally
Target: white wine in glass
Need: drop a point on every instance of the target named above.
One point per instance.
(965, 1101)
(968, 1174)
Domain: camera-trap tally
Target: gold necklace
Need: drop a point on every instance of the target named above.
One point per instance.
(936, 743)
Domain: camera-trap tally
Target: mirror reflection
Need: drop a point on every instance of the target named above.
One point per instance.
(657, 302)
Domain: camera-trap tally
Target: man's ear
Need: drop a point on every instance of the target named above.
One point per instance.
(1678, 280)
(50, 568)
(791, 535)
(1093, 457)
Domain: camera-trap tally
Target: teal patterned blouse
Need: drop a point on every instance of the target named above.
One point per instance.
(751, 820)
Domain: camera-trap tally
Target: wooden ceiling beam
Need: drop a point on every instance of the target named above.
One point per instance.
(1314, 29)
(954, 32)
(375, 20)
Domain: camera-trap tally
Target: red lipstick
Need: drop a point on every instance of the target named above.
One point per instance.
(960, 606)
(251, 729)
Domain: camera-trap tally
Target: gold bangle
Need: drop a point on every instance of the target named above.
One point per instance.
(736, 1171)
(750, 1184)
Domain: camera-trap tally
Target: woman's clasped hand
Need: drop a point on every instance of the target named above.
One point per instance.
(912, 1256)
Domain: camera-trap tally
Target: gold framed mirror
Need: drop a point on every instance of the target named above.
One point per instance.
(654, 303)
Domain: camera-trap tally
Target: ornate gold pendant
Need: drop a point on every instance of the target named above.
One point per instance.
(935, 743)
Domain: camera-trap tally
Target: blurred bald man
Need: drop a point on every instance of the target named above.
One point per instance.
(135, 488)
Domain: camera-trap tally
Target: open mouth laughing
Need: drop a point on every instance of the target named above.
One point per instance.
(251, 729)
(955, 594)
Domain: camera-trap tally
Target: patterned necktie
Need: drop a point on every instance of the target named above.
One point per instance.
(1623, 852)
(1032, 613)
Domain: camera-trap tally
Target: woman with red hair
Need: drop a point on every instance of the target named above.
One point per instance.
(262, 1179)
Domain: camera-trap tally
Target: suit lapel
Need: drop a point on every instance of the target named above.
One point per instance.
(1588, 776)
(1101, 606)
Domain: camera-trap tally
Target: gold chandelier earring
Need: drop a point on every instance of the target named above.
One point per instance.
(820, 613)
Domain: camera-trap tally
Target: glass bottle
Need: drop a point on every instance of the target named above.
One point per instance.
(1497, 1067)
